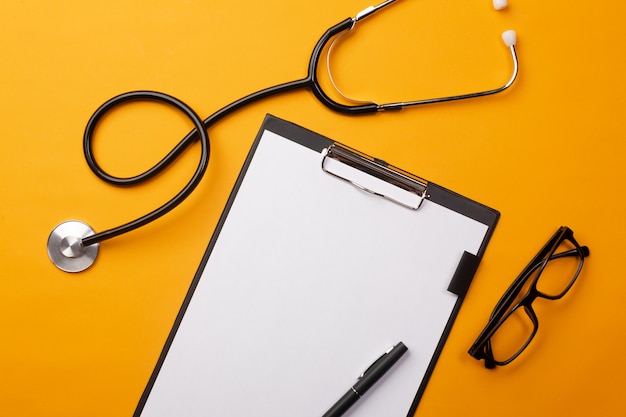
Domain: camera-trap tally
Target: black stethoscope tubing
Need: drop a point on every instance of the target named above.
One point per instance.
(200, 133)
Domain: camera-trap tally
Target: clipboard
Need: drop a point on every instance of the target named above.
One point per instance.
(310, 276)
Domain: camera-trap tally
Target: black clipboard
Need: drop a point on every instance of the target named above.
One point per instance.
(309, 276)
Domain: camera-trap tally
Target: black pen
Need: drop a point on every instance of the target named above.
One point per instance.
(367, 380)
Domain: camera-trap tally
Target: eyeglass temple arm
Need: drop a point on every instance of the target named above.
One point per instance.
(571, 252)
(402, 105)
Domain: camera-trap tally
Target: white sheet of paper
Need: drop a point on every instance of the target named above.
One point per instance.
(309, 282)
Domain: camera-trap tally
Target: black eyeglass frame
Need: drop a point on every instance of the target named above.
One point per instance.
(481, 349)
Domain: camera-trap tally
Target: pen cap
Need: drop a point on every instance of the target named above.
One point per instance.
(379, 368)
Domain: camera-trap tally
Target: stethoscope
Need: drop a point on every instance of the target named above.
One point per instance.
(73, 245)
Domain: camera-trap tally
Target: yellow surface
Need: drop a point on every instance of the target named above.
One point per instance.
(548, 152)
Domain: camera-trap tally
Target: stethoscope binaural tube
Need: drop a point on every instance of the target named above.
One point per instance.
(73, 246)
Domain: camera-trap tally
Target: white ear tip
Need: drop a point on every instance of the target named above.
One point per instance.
(500, 4)
(509, 37)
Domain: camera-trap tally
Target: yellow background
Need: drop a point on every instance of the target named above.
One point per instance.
(548, 152)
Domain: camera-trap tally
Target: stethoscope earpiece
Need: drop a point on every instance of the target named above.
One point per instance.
(500, 4)
(509, 37)
(65, 246)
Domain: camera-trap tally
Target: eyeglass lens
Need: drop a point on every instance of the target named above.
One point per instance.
(513, 335)
(560, 272)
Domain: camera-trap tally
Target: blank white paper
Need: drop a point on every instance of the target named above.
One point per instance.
(309, 282)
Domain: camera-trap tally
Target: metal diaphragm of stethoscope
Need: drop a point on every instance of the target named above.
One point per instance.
(73, 246)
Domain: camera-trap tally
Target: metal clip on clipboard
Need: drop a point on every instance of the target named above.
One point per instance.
(392, 183)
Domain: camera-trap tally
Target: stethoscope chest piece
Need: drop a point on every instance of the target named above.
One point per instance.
(66, 250)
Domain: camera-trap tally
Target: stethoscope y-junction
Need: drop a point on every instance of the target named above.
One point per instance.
(73, 245)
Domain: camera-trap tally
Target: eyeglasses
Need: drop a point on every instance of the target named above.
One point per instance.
(513, 323)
